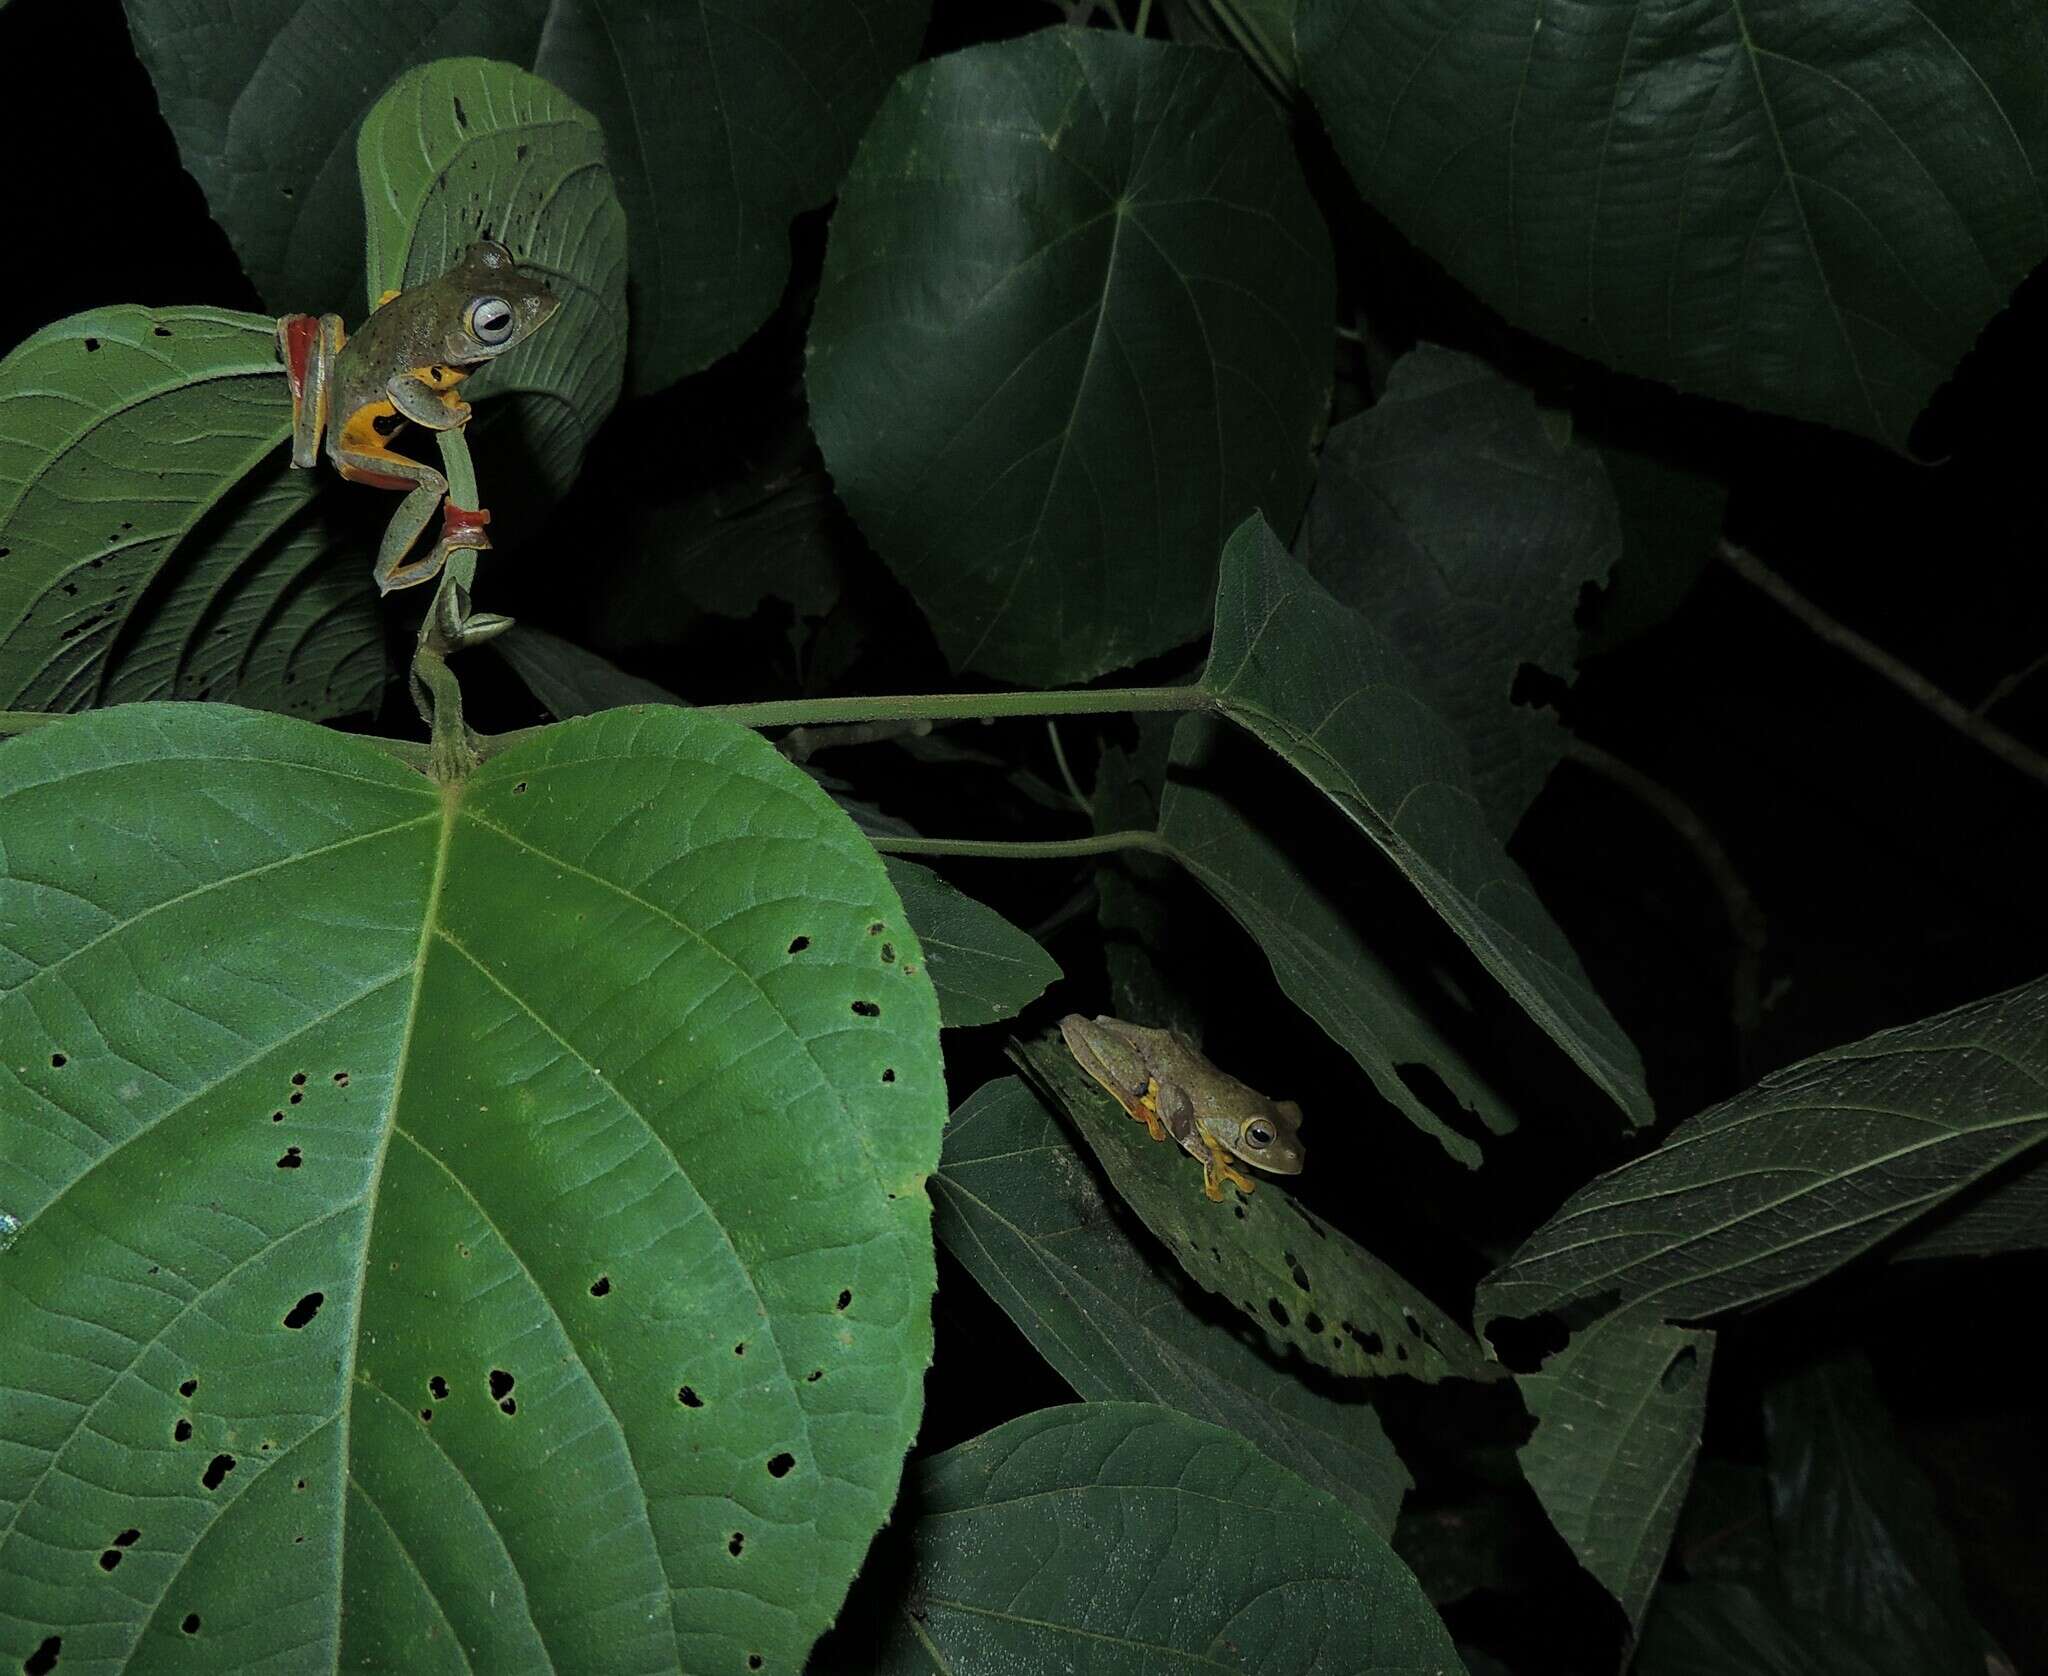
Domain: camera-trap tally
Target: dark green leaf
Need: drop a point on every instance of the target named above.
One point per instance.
(1734, 1629)
(1618, 1414)
(1123, 1539)
(1308, 1287)
(151, 542)
(1324, 947)
(1452, 518)
(983, 967)
(1811, 206)
(388, 1163)
(1333, 696)
(1073, 326)
(1023, 1214)
(719, 123)
(2007, 1211)
(464, 149)
(1860, 1540)
(569, 680)
(1798, 1175)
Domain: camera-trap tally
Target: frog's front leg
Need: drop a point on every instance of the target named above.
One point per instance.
(1218, 1168)
(308, 347)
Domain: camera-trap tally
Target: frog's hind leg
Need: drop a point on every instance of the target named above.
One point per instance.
(425, 489)
(308, 347)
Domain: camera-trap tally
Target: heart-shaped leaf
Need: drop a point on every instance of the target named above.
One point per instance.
(1325, 689)
(720, 123)
(1123, 1539)
(1618, 1414)
(1074, 324)
(389, 1163)
(1798, 1175)
(1023, 1214)
(1454, 519)
(464, 149)
(151, 543)
(1811, 206)
(1307, 1286)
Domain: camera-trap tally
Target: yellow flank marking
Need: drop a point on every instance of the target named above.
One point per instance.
(359, 431)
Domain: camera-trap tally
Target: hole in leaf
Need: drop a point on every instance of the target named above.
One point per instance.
(191, 1624)
(1313, 1322)
(58, 1061)
(1240, 1211)
(889, 1074)
(439, 1387)
(1414, 1326)
(216, 1471)
(740, 1349)
(797, 945)
(501, 1384)
(753, 1661)
(600, 1286)
(298, 1079)
(1295, 1271)
(1680, 1370)
(867, 1009)
(181, 1432)
(44, 1659)
(187, 1387)
(888, 954)
(516, 790)
(128, 1538)
(304, 1310)
(1400, 1352)
(160, 331)
(877, 929)
(297, 1096)
(779, 1465)
(814, 1376)
(427, 1416)
(300, 1485)
(92, 346)
(110, 1559)
(845, 1298)
(277, 1117)
(510, 1405)
(1371, 1343)
(689, 1398)
(737, 1542)
(1278, 1310)
(291, 1159)
(341, 1079)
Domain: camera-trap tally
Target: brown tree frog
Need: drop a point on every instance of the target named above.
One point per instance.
(1161, 1079)
(404, 366)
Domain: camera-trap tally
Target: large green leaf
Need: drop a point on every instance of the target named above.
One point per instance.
(1618, 1413)
(1798, 1175)
(1859, 1535)
(1074, 324)
(152, 544)
(1811, 206)
(983, 967)
(1332, 695)
(390, 1168)
(720, 123)
(1225, 824)
(1121, 1539)
(1024, 1216)
(1307, 1286)
(465, 149)
(1457, 520)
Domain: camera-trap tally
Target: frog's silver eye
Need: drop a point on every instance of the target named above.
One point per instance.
(1258, 1134)
(489, 321)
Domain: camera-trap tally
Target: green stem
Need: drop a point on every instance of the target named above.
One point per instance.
(1059, 755)
(456, 467)
(963, 707)
(1026, 849)
(1144, 16)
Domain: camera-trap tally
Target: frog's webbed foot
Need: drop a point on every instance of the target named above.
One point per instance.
(1218, 1168)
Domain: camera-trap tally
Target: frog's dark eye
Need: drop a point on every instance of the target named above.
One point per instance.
(490, 321)
(1258, 1133)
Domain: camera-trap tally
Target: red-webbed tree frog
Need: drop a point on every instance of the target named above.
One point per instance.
(404, 365)
(1161, 1079)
